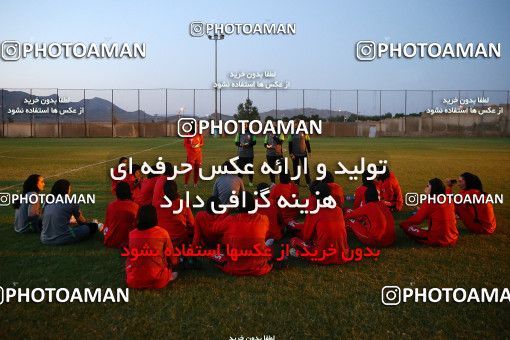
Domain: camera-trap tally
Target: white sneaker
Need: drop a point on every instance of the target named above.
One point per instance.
(293, 252)
(174, 276)
(269, 242)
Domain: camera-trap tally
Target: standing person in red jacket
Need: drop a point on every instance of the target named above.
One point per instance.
(286, 188)
(150, 271)
(442, 225)
(206, 229)
(373, 223)
(246, 232)
(120, 217)
(130, 178)
(389, 190)
(276, 229)
(193, 147)
(478, 218)
(359, 193)
(337, 192)
(323, 231)
(180, 225)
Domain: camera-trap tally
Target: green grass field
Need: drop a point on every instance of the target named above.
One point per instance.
(300, 301)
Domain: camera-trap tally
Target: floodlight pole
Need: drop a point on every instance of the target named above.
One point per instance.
(216, 37)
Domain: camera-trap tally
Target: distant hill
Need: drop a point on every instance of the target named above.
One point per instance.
(97, 109)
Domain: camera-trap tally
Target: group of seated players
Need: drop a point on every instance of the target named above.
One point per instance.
(137, 220)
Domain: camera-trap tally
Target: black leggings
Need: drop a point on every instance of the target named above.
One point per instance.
(241, 162)
(271, 160)
(295, 164)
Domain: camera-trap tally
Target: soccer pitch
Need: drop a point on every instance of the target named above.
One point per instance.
(302, 300)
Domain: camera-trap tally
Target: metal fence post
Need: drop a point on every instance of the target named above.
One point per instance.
(221, 117)
(194, 95)
(458, 117)
(32, 119)
(304, 102)
(405, 111)
(380, 111)
(166, 112)
(138, 98)
(357, 104)
(432, 108)
(276, 103)
(3, 120)
(58, 114)
(112, 116)
(84, 116)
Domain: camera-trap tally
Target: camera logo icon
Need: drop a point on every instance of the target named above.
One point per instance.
(411, 199)
(390, 295)
(196, 29)
(5, 199)
(186, 127)
(365, 50)
(11, 50)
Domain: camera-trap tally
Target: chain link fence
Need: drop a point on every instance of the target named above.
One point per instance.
(60, 113)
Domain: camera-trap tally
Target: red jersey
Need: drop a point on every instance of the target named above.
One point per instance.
(205, 231)
(130, 179)
(119, 221)
(146, 192)
(193, 147)
(337, 192)
(377, 222)
(153, 271)
(389, 191)
(286, 190)
(325, 230)
(179, 226)
(244, 232)
(275, 227)
(477, 217)
(159, 191)
(442, 225)
(359, 197)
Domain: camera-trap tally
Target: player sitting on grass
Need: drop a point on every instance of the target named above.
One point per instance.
(389, 190)
(120, 218)
(177, 219)
(227, 183)
(136, 190)
(286, 188)
(27, 216)
(359, 193)
(323, 232)
(57, 228)
(206, 233)
(337, 192)
(442, 225)
(149, 271)
(372, 223)
(130, 178)
(159, 185)
(244, 232)
(478, 218)
(146, 193)
(276, 229)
